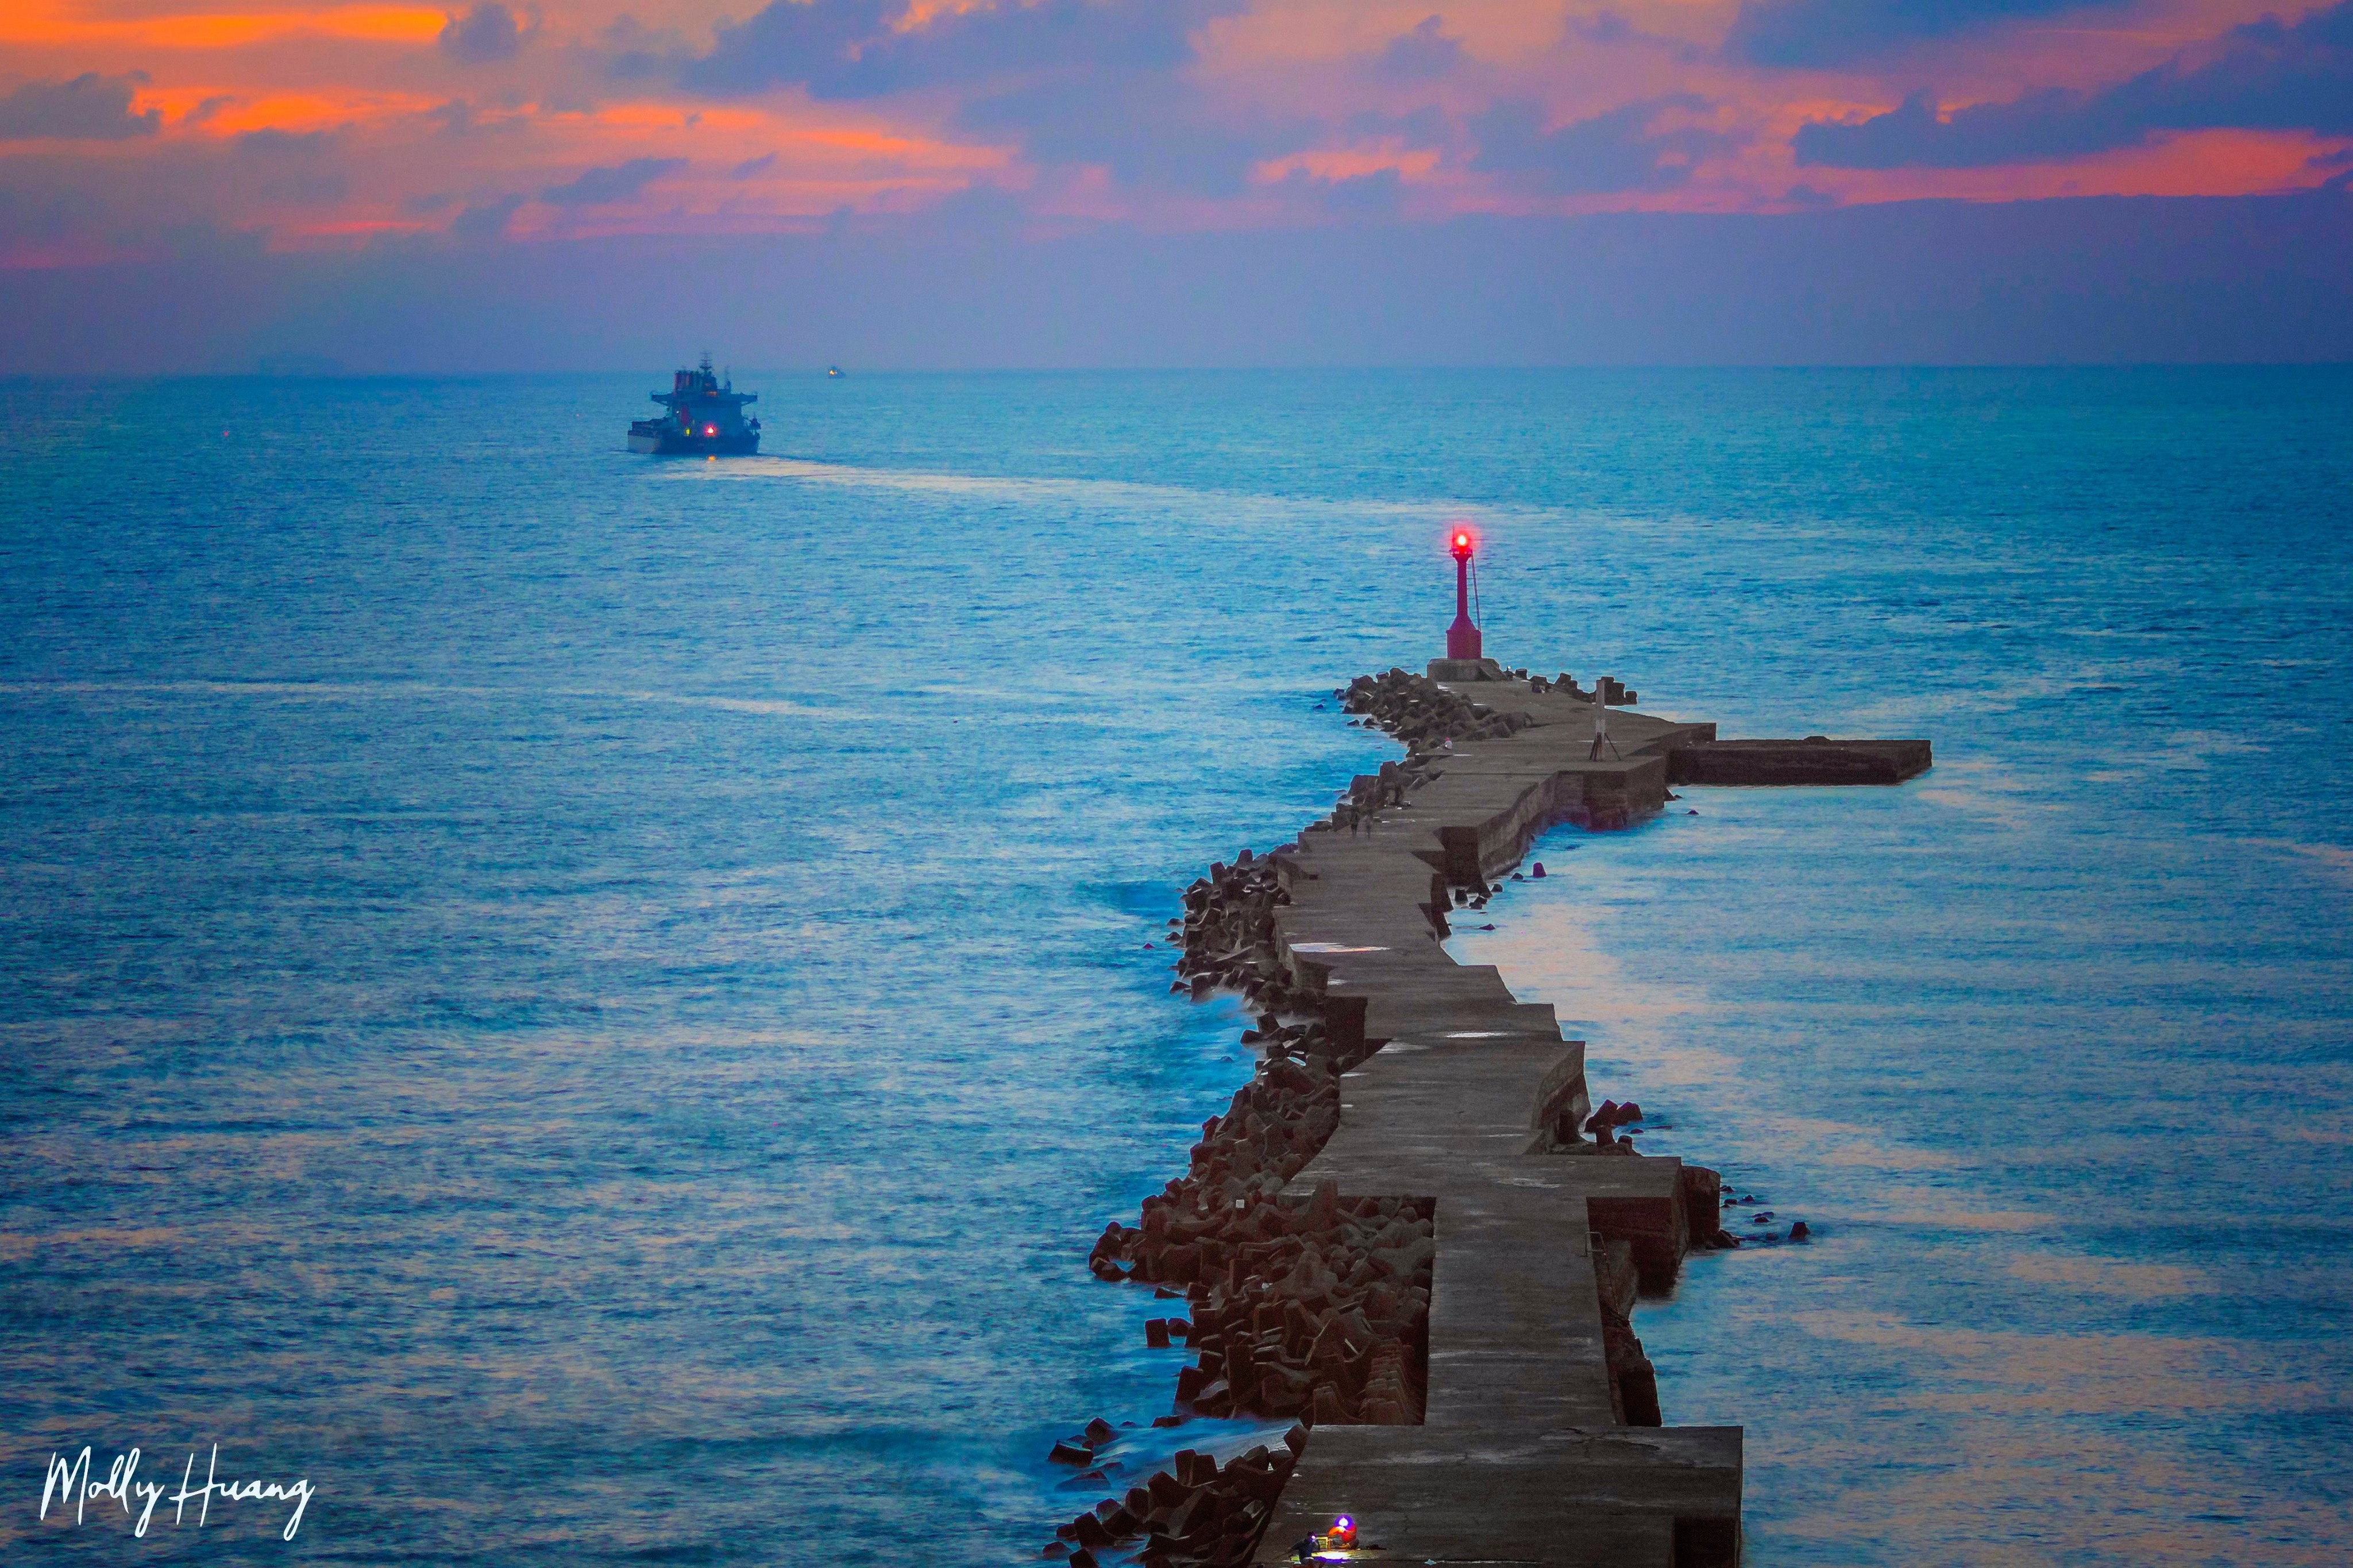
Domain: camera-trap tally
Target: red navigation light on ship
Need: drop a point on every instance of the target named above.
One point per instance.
(1463, 636)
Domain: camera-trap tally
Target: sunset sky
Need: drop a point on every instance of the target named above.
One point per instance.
(134, 129)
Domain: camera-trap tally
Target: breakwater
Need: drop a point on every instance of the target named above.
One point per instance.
(1412, 1230)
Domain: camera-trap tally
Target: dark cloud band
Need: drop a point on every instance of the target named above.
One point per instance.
(1822, 33)
(2264, 75)
(89, 107)
(612, 182)
(1622, 148)
(850, 48)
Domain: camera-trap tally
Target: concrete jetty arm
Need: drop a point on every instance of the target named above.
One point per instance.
(1411, 1229)
(1539, 1442)
(1817, 760)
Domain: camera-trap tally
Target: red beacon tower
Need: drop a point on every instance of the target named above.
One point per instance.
(1463, 636)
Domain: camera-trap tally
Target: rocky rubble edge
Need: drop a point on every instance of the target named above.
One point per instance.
(1427, 717)
(1302, 1307)
(1194, 1512)
(1312, 1308)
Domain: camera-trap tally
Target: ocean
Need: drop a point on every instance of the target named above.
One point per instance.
(590, 1006)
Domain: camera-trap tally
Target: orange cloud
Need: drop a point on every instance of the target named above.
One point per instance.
(303, 235)
(802, 136)
(2188, 164)
(1349, 164)
(295, 111)
(648, 116)
(224, 30)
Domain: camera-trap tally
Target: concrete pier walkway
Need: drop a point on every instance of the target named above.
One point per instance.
(1540, 1442)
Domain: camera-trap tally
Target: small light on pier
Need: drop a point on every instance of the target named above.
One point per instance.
(1337, 1545)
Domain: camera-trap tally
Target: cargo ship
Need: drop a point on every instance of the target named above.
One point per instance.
(705, 419)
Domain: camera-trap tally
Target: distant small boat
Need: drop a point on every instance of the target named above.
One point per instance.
(833, 372)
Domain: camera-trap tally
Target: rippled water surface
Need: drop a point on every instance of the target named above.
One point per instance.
(591, 1006)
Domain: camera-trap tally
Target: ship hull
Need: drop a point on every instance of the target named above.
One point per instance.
(672, 443)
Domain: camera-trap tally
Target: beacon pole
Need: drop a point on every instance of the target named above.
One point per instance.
(1463, 636)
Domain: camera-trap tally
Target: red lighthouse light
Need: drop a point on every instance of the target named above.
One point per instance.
(1463, 636)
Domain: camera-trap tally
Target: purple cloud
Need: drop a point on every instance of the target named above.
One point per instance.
(1613, 150)
(1094, 82)
(486, 33)
(1147, 129)
(848, 49)
(1815, 33)
(611, 182)
(486, 220)
(90, 107)
(1423, 55)
(2264, 76)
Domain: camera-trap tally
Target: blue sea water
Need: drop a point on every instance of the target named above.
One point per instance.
(592, 1007)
